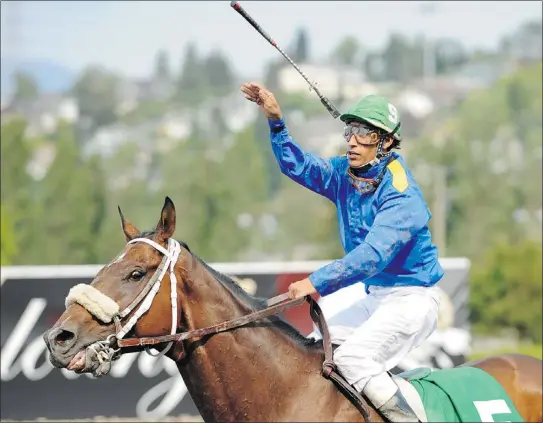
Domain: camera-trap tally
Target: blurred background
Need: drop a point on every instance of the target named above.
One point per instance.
(123, 103)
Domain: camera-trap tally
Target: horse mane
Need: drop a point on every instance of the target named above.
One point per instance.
(256, 303)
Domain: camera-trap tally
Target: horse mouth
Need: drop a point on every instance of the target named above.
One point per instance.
(96, 358)
(85, 361)
(78, 362)
(82, 362)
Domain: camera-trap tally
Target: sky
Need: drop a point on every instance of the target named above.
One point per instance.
(124, 36)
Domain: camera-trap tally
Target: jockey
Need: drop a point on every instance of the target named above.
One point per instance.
(383, 225)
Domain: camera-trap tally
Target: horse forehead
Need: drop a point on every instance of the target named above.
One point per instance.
(132, 253)
(130, 256)
(111, 271)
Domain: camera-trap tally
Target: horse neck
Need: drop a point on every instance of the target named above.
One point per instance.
(250, 373)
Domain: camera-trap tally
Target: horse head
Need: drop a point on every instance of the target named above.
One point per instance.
(136, 293)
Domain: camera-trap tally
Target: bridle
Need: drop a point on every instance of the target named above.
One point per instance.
(148, 293)
(106, 352)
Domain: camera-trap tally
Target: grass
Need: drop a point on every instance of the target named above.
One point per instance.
(535, 350)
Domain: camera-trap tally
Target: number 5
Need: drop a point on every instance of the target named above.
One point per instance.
(486, 409)
(392, 114)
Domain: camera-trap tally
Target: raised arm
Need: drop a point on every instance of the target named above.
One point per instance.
(307, 169)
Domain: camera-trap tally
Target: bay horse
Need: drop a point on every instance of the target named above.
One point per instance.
(255, 369)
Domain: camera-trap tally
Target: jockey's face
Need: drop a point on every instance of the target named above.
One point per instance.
(362, 143)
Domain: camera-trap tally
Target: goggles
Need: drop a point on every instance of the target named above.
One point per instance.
(356, 130)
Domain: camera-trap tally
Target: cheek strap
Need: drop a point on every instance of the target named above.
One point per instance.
(95, 302)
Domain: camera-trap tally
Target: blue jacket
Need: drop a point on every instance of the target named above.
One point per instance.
(385, 233)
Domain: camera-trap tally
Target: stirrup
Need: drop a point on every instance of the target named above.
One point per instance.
(397, 409)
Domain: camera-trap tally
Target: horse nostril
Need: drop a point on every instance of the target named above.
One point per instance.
(64, 338)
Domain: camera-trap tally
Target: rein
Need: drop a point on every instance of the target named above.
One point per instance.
(279, 306)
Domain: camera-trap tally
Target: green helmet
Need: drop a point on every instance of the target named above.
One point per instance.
(377, 111)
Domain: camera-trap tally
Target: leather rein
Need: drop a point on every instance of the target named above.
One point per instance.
(276, 305)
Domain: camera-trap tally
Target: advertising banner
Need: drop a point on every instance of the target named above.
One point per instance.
(143, 386)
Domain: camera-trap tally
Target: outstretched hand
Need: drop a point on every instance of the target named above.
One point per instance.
(264, 98)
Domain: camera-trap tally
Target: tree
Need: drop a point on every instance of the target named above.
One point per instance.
(450, 54)
(162, 65)
(26, 87)
(219, 75)
(506, 289)
(483, 144)
(97, 199)
(191, 88)
(70, 207)
(16, 152)
(305, 219)
(403, 60)
(8, 239)
(96, 93)
(18, 190)
(238, 194)
(346, 51)
(271, 77)
(301, 46)
(188, 176)
(126, 184)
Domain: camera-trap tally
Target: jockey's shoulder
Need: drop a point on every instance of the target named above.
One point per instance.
(399, 179)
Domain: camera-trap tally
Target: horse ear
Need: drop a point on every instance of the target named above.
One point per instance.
(166, 225)
(130, 231)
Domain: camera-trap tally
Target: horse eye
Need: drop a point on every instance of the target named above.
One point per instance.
(137, 275)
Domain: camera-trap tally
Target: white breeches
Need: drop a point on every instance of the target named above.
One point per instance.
(376, 331)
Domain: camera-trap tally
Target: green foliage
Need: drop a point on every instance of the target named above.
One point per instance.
(203, 78)
(305, 220)
(26, 87)
(301, 46)
(493, 162)
(491, 149)
(69, 207)
(162, 65)
(18, 188)
(219, 76)
(145, 111)
(346, 51)
(534, 350)
(15, 155)
(191, 87)
(8, 239)
(298, 101)
(271, 76)
(96, 93)
(450, 54)
(403, 60)
(506, 289)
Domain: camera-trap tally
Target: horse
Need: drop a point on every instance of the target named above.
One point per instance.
(235, 367)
